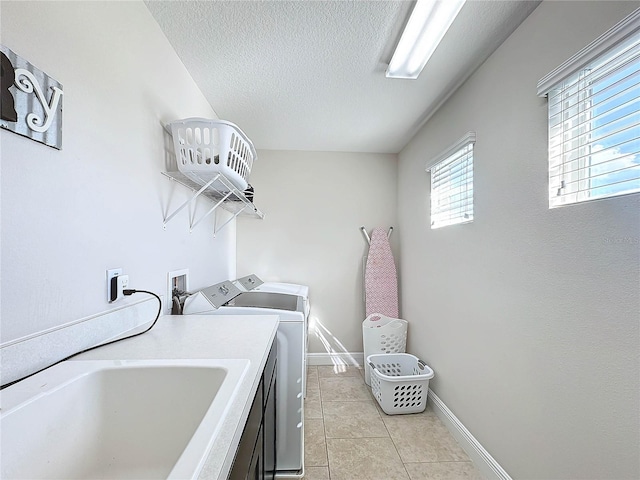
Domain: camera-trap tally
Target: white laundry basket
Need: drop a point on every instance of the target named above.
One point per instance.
(399, 382)
(382, 334)
(205, 148)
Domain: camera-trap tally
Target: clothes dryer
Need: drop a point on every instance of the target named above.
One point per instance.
(301, 291)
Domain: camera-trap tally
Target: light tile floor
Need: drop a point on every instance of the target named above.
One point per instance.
(349, 437)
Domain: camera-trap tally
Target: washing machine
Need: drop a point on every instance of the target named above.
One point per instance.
(232, 298)
(253, 283)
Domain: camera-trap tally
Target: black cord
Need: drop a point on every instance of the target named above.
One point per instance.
(126, 292)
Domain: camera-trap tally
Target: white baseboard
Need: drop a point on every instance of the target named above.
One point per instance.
(342, 358)
(482, 459)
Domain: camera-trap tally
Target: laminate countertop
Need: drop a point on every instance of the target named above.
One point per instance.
(207, 337)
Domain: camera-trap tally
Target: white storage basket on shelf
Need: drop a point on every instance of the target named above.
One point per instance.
(382, 334)
(205, 148)
(399, 382)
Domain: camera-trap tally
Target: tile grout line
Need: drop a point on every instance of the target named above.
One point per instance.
(442, 461)
(388, 432)
(324, 428)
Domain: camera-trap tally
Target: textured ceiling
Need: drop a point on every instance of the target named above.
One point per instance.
(309, 75)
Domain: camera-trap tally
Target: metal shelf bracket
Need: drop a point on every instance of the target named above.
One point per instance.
(219, 190)
(189, 201)
(217, 230)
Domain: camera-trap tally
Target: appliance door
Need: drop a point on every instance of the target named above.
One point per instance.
(290, 402)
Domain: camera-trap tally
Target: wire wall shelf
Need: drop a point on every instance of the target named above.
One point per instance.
(219, 190)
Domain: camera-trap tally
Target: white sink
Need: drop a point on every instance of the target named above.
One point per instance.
(125, 419)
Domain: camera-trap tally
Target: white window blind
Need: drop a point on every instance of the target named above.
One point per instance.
(594, 127)
(452, 184)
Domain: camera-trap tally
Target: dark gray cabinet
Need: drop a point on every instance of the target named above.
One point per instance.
(256, 454)
(269, 416)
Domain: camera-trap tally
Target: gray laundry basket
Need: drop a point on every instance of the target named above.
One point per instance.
(399, 382)
(382, 334)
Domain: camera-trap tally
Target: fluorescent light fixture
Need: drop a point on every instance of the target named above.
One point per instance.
(426, 27)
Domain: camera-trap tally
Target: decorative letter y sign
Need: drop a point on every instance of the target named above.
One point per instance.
(30, 100)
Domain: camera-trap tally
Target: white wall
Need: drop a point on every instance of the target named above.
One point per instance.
(99, 203)
(529, 316)
(315, 204)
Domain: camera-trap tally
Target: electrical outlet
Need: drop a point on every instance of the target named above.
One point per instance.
(112, 292)
(122, 283)
(116, 284)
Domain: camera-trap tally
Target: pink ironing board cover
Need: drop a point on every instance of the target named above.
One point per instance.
(380, 279)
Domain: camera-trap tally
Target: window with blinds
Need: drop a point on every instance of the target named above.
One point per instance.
(594, 128)
(452, 184)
